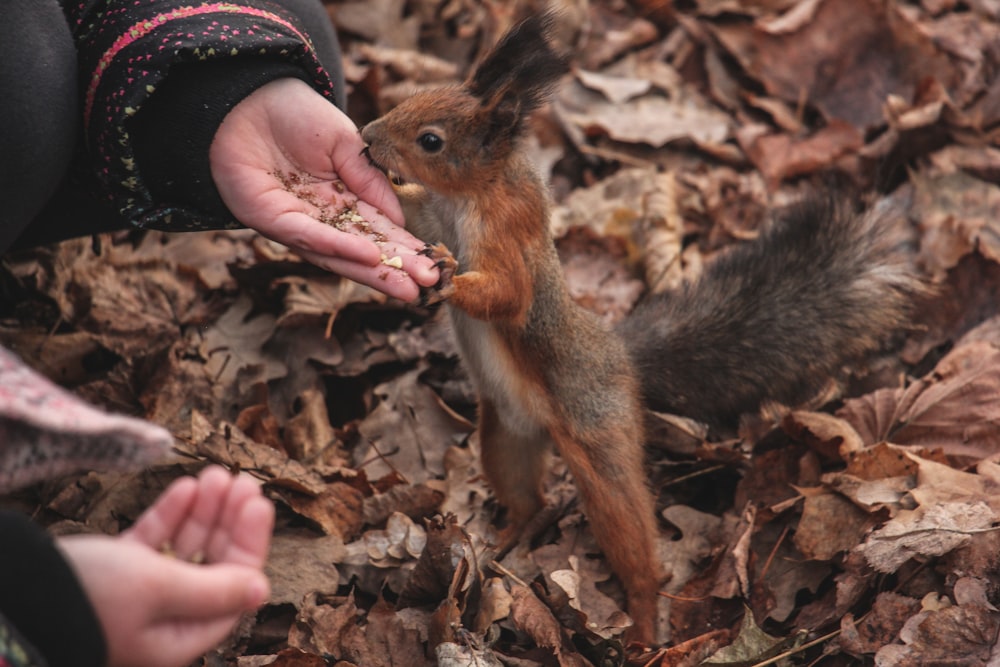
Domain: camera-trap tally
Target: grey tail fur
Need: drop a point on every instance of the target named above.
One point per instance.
(774, 319)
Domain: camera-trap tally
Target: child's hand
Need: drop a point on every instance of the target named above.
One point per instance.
(162, 609)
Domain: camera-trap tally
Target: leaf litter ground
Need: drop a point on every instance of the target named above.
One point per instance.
(858, 527)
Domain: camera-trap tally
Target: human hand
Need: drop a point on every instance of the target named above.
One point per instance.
(162, 611)
(288, 163)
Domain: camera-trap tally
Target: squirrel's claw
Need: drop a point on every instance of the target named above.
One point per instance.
(446, 265)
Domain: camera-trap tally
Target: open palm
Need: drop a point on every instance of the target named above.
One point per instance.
(288, 163)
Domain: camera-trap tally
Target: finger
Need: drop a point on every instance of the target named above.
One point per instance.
(302, 232)
(241, 490)
(243, 535)
(253, 540)
(398, 242)
(419, 267)
(389, 280)
(195, 592)
(157, 526)
(363, 179)
(191, 541)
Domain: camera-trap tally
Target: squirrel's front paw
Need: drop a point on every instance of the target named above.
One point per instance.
(446, 265)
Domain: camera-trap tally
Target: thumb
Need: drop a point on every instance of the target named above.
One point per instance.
(194, 592)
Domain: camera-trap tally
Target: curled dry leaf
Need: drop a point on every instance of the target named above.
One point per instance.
(379, 19)
(233, 349)
(316, 299)
(336, 510)
(133, 308)
(618, 36)
(465, 490)
(386, 638)
(733, 578)
(600, 614)
(447, 554)
(414, 500)
(609, 206)
(880, 462)
(445, 624)
(230, 447)
(308, 435)
(411, 65)
(983, 162)
(693, 651)
(530, 615)
(831, 437)
(660, 233)
(617, 89)
(494, 606)
(925, 532)
(400, 540)
(210, 253)
(889, 493)
(972, 591)
(289, 657)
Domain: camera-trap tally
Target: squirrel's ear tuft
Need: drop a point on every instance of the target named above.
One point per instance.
(523, 65)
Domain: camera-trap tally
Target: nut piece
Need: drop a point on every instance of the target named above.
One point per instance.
(395, 262)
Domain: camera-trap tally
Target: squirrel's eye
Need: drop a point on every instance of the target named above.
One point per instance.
(430, 142)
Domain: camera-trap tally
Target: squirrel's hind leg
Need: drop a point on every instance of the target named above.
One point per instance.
(607, 465)
(514, 462)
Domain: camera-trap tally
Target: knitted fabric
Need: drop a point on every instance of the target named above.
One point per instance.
(46, 431)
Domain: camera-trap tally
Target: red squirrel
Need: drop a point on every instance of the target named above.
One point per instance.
(548, 372)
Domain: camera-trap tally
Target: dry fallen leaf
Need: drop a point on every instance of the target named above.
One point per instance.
(300, 565)
(676, 133)
(409, 431)
(953, 408)
(752, 645)
(933, 531)
(447, 554)
(940, 635)
(829, 525)
(881, 626)
(846, 60)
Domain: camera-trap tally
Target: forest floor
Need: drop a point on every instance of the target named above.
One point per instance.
(859, 527)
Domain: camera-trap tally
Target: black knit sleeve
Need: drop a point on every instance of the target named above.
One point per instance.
(129, 50)
(42, 606)
(172, 133)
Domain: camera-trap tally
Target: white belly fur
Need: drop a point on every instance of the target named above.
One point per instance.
(519, 405)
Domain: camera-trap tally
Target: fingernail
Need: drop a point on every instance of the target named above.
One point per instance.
(428, 271)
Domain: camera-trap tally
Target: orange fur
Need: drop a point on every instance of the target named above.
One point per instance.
(547, 371)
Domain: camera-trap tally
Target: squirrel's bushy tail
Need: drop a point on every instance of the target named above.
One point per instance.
(774, 319)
